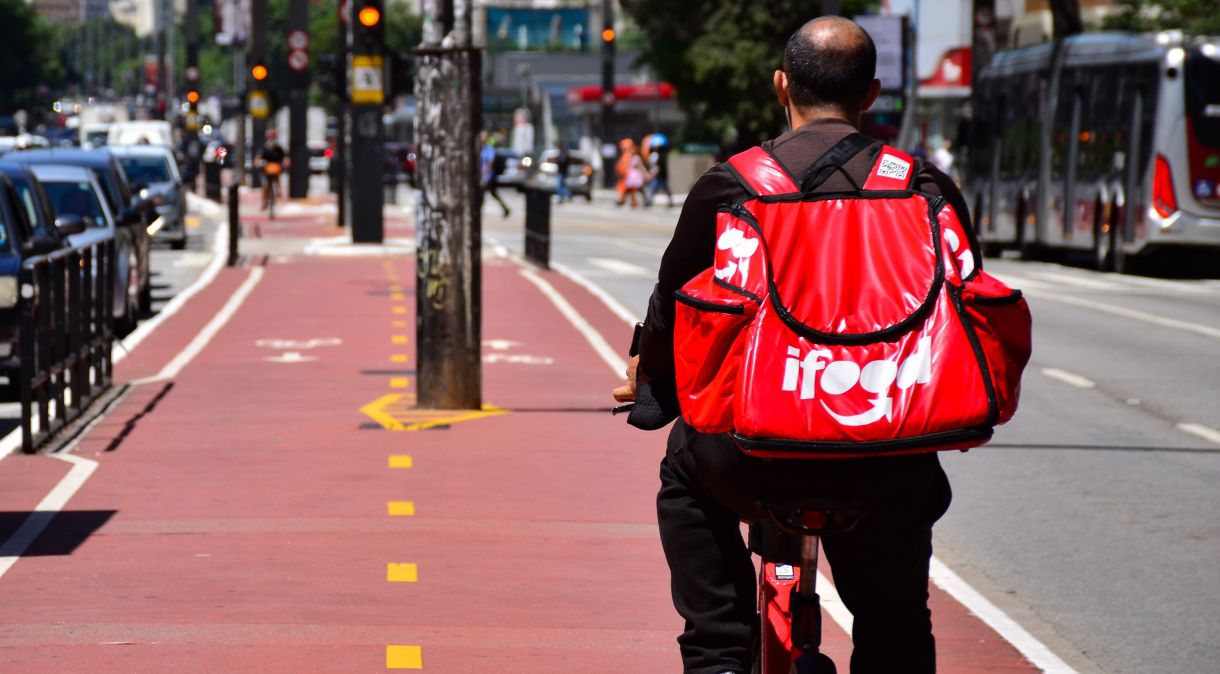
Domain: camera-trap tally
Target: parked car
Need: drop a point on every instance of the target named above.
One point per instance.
(513, 167)
(319, 156)
(26, 229)
(153, 174)
(580, 173)
(76, 191)
(133, 214)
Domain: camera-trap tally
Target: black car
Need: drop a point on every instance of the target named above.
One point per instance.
(133, 213)
(27, 228)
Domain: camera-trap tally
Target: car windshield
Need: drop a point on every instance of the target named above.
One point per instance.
(145, 170)
(75, 198)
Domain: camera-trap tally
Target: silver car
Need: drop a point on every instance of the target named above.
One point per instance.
(153, 173)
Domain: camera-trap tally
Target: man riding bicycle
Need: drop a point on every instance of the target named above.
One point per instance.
(271, 161)
(708, 486)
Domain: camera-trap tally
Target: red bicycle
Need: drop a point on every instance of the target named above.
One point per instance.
(790, 611)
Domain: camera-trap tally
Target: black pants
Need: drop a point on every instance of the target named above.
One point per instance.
(880, 568)
(490, 188)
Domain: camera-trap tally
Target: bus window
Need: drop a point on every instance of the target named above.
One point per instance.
(1203, 97)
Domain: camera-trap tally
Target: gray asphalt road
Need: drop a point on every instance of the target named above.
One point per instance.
(1091, 517)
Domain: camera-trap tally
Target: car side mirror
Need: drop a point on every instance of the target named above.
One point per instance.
(69, 225)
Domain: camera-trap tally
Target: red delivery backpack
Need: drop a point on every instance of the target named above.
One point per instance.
(846, 324)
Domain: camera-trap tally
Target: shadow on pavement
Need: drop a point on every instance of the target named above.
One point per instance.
(65, 533)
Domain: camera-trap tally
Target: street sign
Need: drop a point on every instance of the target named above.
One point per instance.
(298, 39)
(366, 79)
(298, 60)
(259, 105)
(345, 11)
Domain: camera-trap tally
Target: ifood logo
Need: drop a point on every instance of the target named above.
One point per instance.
(816, 371)
(740, 247)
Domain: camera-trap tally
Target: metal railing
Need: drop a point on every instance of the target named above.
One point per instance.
(67, 329)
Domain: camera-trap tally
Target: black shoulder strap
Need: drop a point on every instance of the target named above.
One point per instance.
(833, 160)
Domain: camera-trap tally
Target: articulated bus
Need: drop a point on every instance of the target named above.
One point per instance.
(1107, 144)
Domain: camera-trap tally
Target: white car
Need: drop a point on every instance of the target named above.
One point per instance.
(145, 132)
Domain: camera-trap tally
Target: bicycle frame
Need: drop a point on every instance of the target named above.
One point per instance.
(790, 610)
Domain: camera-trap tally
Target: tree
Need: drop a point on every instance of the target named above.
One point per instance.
(1196, 17)
(30, 62)
(720, 55)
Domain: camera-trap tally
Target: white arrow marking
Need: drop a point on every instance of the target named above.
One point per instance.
(500, 344)
(882, 407)
(290, 357)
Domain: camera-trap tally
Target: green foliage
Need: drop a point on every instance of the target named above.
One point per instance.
(29, 59)
(721, 55)
(1196, 17)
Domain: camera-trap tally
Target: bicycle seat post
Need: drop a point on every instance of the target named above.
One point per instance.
(804, 601)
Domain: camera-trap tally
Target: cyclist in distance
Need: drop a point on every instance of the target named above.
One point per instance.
(708, 486)
(271, 160)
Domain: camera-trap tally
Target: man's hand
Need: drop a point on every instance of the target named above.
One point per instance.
(626, 392)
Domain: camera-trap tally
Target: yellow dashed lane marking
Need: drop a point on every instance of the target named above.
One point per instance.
(397, 412)
(398, 358)
(404, 657)
(400, 382)
(399, 310)
(395, 288)
(399, 339)
(401, 461)
(397, 297)
(400, 508)
(401, 573)
(399, 324)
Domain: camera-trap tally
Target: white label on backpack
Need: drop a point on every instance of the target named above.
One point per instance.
(893, 167)
(817, 370)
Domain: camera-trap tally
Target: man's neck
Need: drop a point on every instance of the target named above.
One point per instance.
(800, 118)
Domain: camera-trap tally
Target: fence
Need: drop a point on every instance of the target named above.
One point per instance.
(67, 329)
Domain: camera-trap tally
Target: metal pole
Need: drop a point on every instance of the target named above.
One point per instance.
(298, 103)
(339, 161)
(258, 54)
(448, 259)
(366, 134)
(609, 178)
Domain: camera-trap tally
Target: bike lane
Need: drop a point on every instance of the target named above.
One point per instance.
(256, 513)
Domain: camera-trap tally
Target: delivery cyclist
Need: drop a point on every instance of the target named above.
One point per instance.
(708, 486)
(271, 160)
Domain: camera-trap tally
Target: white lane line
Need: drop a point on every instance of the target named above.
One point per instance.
(174, 367)
(1075, 281)
(1029, 646)
(591, 335)
(220, 246)
(1184, 326)
(1021, 282)
(597, 291)
(833, 603)
(619, 267)
(1068, 378)
(45, 511)
(1206, 432)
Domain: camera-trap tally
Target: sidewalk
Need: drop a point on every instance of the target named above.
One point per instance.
(271, 501)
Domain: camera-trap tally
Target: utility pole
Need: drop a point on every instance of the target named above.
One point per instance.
(448, 263)
(608, 39)
(363, 127)
(339, 161)
(298, 98)
(191, 76)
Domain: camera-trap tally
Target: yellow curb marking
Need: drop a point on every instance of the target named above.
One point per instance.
(401, 573)
(404, 657)
(397, 412)
(398, 358)
(399, 339)
(399, 310)
(400, 508)
(401, 461)
(399, 382)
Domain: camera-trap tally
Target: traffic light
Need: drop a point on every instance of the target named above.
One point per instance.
(608, 35)
(192, 97)
(368, 29)
(259, 73)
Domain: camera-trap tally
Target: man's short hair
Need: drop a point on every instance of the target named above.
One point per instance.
(830, 69)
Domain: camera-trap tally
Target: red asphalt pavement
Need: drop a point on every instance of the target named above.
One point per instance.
(247, 516)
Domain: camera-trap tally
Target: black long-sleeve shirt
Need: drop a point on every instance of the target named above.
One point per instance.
(692, 248)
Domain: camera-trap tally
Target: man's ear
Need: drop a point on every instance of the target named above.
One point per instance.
(874, 90)
(780, 80)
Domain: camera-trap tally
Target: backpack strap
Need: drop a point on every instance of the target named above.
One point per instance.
(759, 172)
(893, 170)
(835, 158)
